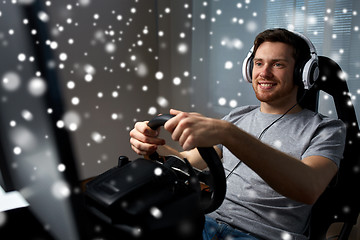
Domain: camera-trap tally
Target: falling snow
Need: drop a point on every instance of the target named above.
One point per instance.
(156, 212)
(286, 236)
(116, 65)
(277, 144)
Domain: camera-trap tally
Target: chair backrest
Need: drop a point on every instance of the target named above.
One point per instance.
(341, 201)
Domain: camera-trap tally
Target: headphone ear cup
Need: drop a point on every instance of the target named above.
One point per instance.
(310, 73)
(248, 66)
(298, 77)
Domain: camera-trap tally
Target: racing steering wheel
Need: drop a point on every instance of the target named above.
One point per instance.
(213, 196)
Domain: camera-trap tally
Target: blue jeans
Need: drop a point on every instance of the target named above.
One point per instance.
(221, 231)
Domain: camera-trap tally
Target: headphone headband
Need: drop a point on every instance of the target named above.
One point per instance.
(306, 39)
(308, 72)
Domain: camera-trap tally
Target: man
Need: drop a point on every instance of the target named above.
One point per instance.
(278, 157)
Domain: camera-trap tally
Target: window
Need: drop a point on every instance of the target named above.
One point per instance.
(332, 26)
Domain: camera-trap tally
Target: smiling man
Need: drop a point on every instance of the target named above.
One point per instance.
(278, 157)
(273, 66)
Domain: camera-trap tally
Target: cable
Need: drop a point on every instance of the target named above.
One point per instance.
(262, 133)
(267, 128)
(298, 102)
(232, 170)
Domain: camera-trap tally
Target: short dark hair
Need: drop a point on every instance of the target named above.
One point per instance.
(301, 48)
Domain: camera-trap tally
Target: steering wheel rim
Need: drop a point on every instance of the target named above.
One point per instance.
(213, 162)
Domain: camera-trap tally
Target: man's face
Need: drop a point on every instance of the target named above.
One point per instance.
(273, 74)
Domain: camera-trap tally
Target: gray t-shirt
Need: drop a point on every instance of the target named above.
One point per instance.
(251, 205)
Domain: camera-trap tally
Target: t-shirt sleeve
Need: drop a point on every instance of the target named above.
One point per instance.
(328, 141)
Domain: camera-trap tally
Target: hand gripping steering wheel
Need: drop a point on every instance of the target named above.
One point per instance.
(214, 178)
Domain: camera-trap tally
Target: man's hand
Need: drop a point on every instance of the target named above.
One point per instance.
(194, 130)
(144, 140)
(190, 129)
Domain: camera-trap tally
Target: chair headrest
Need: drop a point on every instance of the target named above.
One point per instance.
(332, 79)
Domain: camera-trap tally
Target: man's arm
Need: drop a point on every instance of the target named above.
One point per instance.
(145, 141)
(303, 181)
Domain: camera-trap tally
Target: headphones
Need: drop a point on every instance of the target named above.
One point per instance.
(308, 72)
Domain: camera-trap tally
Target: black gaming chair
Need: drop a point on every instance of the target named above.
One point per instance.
(341, 200)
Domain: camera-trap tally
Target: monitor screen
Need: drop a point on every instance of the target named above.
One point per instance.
(35, 156)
